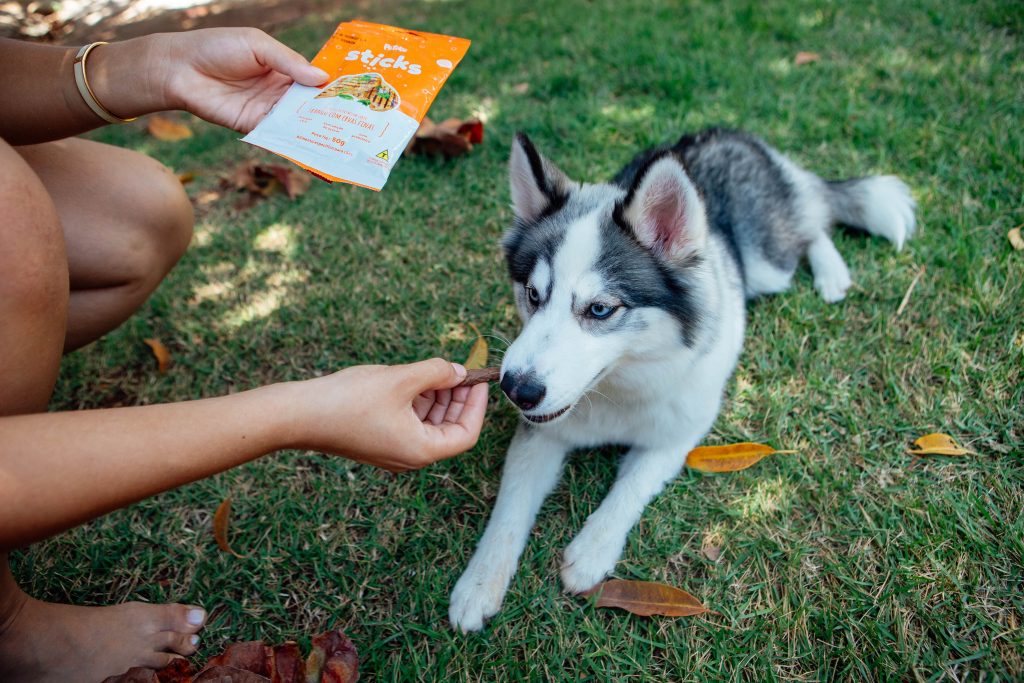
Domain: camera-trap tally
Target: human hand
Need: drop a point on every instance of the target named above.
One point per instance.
(232, 76)
(397, 417)
(228, 76)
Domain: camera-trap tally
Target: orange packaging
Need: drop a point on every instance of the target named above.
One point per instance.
(355, 127)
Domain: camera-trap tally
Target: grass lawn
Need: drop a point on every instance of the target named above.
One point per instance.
(848, 561)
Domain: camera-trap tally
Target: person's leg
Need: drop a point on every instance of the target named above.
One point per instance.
(45, 244)
(126, 222)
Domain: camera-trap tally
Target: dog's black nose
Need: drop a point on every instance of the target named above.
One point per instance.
(523, 389)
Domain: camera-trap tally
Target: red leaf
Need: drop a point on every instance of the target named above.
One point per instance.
(286, 664)
(228, 674)
(333, 659)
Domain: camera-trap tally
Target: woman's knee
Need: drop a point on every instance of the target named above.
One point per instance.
(162, 221)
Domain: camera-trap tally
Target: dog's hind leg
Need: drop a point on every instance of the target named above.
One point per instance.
(532, 469)
(595, 550)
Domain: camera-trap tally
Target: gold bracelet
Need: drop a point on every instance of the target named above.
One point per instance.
(87, 94)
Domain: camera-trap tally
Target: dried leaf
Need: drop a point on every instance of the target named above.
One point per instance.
(730, 458)
(711, 552)
(939, 444)
(520, 88)
(250, 655)
(163, 356)
(263, 180)
(165, 129)
(805, 58)
(477, 358)
(221, 520)
(178, 671)
(647, 598)
(294, 180)
(287, 664)
(1016, 239)
(333, 659)
(229, 674)
(450, 138)
(186, 177)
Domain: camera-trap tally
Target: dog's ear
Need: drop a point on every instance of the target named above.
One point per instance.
(665, 210)
(537, 184)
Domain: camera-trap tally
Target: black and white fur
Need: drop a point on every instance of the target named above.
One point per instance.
(632, 295)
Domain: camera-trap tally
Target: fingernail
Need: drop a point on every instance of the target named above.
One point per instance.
(460, 370)
(196, 616)
(194, 640)
(320, 73)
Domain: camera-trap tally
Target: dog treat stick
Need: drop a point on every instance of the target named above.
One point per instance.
(484, 375)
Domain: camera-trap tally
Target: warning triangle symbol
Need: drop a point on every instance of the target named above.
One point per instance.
(383, 155)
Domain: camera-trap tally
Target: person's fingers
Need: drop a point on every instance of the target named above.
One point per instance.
(280, 57)
(422, 404)
(452, 438)
(436, 373)
(458, 403)
(437, 412)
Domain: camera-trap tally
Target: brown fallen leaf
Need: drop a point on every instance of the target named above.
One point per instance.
(168, 130)
(730, 458)
(186, 177)
(230, 674)
(263, 180)
(647, 598)
(221, 521)
(160, 352)
(477, 357)
(802, 58)
(250, 655)
(450, 138)
(520, 88)
(712, 553)
(332, 659)
(938, 444)
(491, 374)
(1016, 239)
(287, 664)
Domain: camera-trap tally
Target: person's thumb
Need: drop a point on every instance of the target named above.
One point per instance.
(282, 58)
(436, 373)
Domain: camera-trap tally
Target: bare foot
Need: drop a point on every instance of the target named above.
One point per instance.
(44, 642)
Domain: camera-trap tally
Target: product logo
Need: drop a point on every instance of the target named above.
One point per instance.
(372, 59)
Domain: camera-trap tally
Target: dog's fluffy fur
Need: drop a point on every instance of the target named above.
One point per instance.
(632, 296)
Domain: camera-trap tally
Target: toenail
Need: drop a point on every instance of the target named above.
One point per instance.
(194, 640)
(196, 616)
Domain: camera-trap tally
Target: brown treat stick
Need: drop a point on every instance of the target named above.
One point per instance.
(490, 374)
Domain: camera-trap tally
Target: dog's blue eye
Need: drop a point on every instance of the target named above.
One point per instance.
(600, 311)
(532, 295)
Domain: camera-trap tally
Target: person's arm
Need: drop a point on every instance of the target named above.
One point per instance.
(230, 76)
(58, 470)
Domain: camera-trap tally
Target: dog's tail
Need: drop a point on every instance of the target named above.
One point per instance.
(880, 205)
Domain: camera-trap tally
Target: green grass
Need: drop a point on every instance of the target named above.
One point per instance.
(848, 561)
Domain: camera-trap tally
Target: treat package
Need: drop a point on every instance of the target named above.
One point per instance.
(355, 127)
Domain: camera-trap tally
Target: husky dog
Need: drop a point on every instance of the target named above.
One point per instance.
(632, 296)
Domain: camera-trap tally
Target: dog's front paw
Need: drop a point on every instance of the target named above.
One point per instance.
(477, 597)
(832, 285)
(588, 559)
